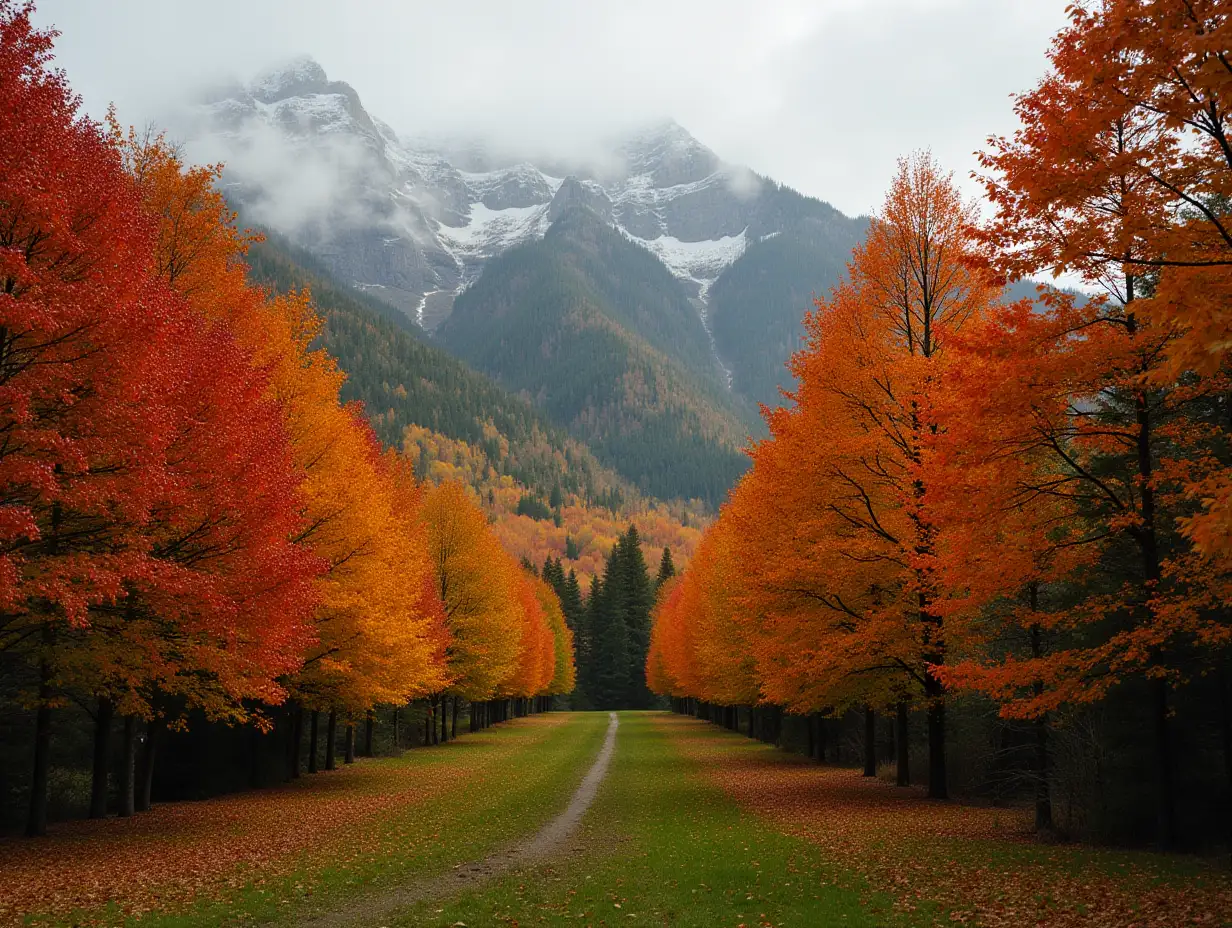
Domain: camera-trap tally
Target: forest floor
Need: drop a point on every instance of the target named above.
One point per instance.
(690, 826)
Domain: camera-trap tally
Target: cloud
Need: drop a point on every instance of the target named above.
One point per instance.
(822, 95)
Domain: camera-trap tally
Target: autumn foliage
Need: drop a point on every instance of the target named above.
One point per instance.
(190, 518)
(1030, 500)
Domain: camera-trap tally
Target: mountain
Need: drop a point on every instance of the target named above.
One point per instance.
(597, 333)
(415, 220)
(644, 300)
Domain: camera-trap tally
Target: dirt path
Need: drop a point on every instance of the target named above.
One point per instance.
(548, 839)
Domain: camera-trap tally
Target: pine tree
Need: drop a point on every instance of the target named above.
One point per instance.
(667, 569)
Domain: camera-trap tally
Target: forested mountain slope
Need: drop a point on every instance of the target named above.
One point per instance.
(575, 334)
(403, 380)
(758, 303)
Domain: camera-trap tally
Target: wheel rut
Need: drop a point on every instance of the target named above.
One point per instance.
(371, 910)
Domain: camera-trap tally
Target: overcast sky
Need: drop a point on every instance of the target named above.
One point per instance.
(820, 94)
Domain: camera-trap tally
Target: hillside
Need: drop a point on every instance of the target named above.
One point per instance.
(758, 303)
(402, 381)
(534, 526)
(550, 320)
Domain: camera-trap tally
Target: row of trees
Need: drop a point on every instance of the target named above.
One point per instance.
(1029, 502)
(191, 521)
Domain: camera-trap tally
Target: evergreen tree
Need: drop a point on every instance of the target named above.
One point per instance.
(571, 601)
(667, 569)
(618, 615)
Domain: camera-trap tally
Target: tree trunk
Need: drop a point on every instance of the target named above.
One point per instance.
(444, 714)
(937, 786)
(902, 744)
(314, 732)
(369, 722)
(349, 756)
(1043, 795)
(331, 739)
(1225, 692)
(870, 742)
(102, 757)
(128, 763)
(397, 730)
(297, 739)
(36, 823)
(453, 730)
(145, 773)
(1163, 756)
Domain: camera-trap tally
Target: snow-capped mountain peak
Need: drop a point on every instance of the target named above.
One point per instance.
(414, 221)
(298, 76)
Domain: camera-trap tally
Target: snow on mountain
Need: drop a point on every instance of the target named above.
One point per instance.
(400, 217)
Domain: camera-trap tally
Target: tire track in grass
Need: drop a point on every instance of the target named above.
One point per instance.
(543, 843)
(184, 852)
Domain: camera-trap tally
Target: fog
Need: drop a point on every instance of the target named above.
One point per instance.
(821, 95)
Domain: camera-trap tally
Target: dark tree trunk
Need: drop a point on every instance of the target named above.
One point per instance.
(937, 786)
(349, 756)
(128, 764)
(297, 740)
(902, 744)
(102, 757)
(1043, 793)
(1163, 755)
(870, 742)
(145, 772)
(331, 739)
(36, 823)
(1043, 773)
(314, 738)
(369, 722)
(397, 730)
(1225, 693)
(444, 713)
(453, 730)
(254, 757)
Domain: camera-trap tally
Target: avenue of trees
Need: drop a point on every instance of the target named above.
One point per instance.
(194, 530)
(1012, 523)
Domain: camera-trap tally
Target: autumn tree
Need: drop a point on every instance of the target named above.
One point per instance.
(834, 531)
(1158, 73)
(478, 585)
(145, 478)
(1110, 399)
(372, 644)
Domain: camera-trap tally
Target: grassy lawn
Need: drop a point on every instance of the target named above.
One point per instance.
(456, 803)
(661, 846)
(954, 863)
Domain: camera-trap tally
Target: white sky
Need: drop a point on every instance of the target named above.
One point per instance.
(822, 95)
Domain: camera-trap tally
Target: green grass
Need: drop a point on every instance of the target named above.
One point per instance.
(499, 799)
(662, 847)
